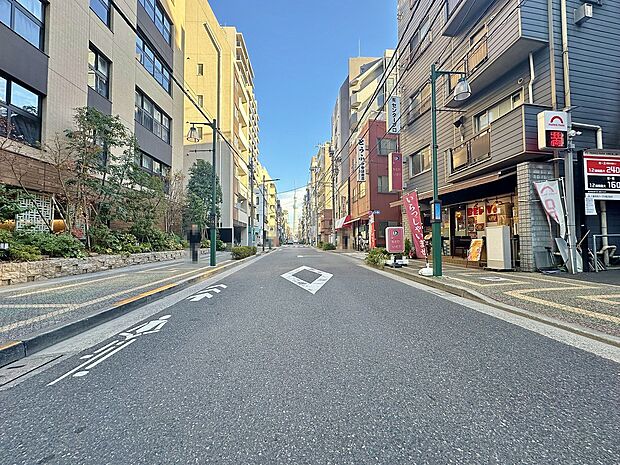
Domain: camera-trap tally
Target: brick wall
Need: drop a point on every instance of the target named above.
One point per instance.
(533, 227)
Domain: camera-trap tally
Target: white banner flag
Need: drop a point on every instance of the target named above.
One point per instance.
(394, 115)
(551, 198)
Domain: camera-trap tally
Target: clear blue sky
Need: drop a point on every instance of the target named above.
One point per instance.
(299, 52)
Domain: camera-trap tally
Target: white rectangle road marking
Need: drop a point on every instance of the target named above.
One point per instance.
(312, 287)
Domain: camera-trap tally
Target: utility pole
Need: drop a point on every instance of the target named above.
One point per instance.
(213, 247)
(569, 185)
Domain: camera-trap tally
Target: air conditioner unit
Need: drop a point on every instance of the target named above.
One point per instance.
(583, 13)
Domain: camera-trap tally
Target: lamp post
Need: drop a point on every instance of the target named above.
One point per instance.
(264, 200)
(462, 91)
(192, 136)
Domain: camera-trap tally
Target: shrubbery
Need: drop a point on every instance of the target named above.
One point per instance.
(376, 256)
(221, 246)
(328, 246)
(29, 246)
(319, 245)
(243, 251)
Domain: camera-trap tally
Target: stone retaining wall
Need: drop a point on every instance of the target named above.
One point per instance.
(22, 272)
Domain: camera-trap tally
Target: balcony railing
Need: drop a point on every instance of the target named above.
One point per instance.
(472, 151)
(476, 56)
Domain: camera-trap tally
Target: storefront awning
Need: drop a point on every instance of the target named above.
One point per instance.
(340, 222)
(351, 221)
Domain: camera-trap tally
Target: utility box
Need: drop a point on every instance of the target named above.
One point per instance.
(583, 13)
(499, 250)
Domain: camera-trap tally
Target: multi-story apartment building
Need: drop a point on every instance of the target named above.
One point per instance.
(322, 188)
(220, 79)
(59, 56)
(361, 99)
(266, 198)
(520, 58)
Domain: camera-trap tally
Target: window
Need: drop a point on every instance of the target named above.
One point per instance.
(162, 23)
(382, 186)
(152, 63)
(201, 100)
(98, 73)
(25, 17)
(420, 102)
(19, 112)
(387, 146)
(200, 69)
(152, 117)
(420, 162)
(421, 39)
(102, 10)
(484, 119)
(383, 225)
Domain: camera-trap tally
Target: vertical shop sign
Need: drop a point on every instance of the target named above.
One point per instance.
(549, 193)
(410, 201)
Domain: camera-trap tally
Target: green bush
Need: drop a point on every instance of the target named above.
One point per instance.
(243, 251)
(328, 246)
(205, 243)
(23, 253)
(376, 256)
(5, 235)
(407, 247)
(220, 246)
(319, 244)
(52, 245)
(104, 240)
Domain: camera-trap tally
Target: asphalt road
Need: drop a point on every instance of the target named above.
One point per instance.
(365, 370)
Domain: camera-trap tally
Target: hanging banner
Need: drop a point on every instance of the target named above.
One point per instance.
(551, 198)
(412, 207)
(371, 230)
(361, 160)
(395, 172)
(394, 115)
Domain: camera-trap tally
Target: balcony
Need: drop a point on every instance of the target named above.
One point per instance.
(461, 13)
(356, 100)
(507, 141)
(502, 43)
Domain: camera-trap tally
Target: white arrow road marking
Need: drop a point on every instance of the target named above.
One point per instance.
(206, 293)
(312, 287)
(105, 352)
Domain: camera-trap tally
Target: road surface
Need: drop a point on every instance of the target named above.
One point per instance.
(334, 363)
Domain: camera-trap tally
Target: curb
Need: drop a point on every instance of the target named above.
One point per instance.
(12, 351)
(480, 298)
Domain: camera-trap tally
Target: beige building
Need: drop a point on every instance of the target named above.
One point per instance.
(220, 79)
(78, 53)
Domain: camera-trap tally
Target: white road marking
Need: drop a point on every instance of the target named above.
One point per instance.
(105, 352)
(58, 288)
(206, 293)
(312, 287)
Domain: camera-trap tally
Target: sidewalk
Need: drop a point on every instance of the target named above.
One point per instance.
(585, 301)
(29, 309)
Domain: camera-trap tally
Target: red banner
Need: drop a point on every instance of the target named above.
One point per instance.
(371, 232)
(410, 201)
(395, 172)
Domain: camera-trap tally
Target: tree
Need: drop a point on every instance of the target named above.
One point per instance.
(174, 202)
(199, 195)
(9, 204)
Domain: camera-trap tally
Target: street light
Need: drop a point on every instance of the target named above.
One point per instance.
(192, 136)
(462, 91)
(264, 181)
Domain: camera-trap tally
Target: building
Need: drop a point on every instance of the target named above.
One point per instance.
(321, 189)
(488, 152)
(361, 98)
(220, 79)
(61, 56)
(265, 192)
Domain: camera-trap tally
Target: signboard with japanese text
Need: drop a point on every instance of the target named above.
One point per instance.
(552, 130)
(602, 172)
(371, 230)
(394, 115)
(416, 223)
(475, 250)
(361, 160)
(395, 172)
(395, 239)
